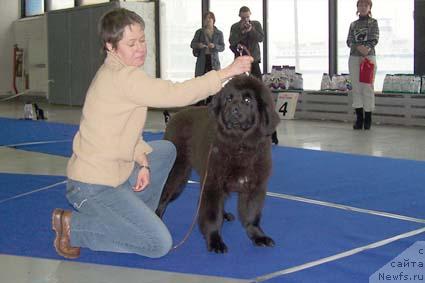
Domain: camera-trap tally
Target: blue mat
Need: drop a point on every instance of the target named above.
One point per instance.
(356, 268)
(14, 131)
(54, 138)
(376, 183)
(16, 184)
(303, 233)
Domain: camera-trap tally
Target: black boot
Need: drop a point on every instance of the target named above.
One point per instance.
(274, 138)
(358, 125)
(367, 120)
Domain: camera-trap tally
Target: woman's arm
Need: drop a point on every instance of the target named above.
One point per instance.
(235, 35)
(196, 41)
(373, 35)
(219, 42)
(257, 32)
(350, 36)
(150, 92)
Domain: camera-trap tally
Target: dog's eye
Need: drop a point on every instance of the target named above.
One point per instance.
(247, 100)
(229, 98)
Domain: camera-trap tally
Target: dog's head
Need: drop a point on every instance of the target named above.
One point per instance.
(244, 105)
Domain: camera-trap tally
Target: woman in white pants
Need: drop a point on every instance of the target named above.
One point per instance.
(363, 36)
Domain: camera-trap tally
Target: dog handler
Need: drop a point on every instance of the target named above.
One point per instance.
(115, 178)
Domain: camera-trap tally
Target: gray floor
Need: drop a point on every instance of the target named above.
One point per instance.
(388, 141)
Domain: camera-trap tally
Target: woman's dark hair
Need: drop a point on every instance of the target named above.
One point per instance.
(211, 14)
(113, 23)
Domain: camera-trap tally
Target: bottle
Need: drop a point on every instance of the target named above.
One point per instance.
(326, 82)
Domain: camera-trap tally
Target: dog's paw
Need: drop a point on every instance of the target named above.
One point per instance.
(216, 244)
(263, 241)
(228, 216)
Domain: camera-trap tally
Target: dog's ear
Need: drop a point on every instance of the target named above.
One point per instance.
(268, 115)
(214, 106)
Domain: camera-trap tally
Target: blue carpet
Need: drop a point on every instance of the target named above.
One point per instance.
(15, 184)
(15, 132)
(356, 268)
(302, 232)
(376, 183)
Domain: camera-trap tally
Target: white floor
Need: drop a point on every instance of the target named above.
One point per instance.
(388, 141)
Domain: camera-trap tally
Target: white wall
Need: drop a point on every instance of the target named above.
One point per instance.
(9, 12)
(30, 35)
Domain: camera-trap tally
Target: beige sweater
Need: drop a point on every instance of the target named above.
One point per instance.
(114, 114)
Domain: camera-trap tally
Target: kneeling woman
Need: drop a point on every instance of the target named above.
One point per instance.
(115, 178)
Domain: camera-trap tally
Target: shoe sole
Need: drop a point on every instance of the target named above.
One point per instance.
(56, 222)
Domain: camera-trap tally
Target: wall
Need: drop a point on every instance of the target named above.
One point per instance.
(9, 12)
(30, 35)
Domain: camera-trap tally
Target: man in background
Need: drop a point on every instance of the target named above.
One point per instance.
(247, 33)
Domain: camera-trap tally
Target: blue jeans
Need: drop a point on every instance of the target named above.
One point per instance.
(119, 219)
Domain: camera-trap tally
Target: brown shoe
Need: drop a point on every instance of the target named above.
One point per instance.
(61, 224)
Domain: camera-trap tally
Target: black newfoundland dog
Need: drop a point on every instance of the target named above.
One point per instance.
(229, 146)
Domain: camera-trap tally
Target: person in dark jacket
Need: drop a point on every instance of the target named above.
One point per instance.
(206, 44)
(247, 33)
(244, 39)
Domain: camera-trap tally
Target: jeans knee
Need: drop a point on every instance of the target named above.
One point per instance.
(170, 149)
(163, 245)
(164, 149)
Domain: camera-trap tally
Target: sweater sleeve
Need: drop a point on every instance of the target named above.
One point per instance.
(219, 45)
(373, 35)
(350, 37)
(257, 33)
(235, 35)
(151, 92)
(195, 40)
(141, 148)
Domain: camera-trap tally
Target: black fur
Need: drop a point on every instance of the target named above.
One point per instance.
(230, 139)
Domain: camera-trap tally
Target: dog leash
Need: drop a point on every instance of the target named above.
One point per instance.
(240, 48)
(195, 217)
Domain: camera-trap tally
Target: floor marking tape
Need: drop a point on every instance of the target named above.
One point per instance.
(34, 143)
(349, 208)
(35, 191)
(338, 256)
(341, 206)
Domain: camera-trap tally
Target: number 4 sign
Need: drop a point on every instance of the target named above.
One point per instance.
(286, 104)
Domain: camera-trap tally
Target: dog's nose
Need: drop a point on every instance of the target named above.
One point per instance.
(235, 110)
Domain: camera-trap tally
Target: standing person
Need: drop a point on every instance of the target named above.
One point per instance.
(247, 33)
(206, 44)
(115, 178)
(363, 36)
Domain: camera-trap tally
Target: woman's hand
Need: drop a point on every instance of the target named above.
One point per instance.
(143, 179)
(242, 64)
(364, 50)
(211, 45)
